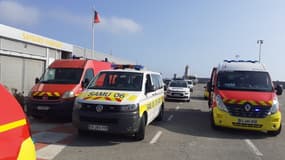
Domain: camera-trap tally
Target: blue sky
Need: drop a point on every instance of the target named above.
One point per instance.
(163, 35)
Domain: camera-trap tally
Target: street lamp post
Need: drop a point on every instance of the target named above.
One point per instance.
(260, 42)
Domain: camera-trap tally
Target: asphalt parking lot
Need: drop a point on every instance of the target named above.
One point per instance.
(184, 134)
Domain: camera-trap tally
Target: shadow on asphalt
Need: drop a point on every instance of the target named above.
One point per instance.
(101, 139)
(197, 123)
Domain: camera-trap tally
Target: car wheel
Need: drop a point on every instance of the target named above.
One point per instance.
(275, 133)
(82, 132)
(161, 113)
(139, 135)
(189, 99)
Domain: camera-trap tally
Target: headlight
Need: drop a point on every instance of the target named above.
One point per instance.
(68, 94)
(77, 105)
(129, 107)
(221, 104)
(275, 106)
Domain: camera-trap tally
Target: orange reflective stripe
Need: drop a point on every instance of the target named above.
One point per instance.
(12, 125)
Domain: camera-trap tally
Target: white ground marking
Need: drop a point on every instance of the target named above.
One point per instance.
(170, 118)
(156, 137)
(50, 151)
(253, 148)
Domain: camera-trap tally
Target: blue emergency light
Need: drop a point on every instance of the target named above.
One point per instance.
(250, 61)
(125, 66)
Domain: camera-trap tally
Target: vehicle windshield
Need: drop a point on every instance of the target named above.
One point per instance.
(244, 80)
(62, 76)
(127, 81)
(178, 84)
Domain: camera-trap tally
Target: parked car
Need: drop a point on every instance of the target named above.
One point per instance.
(178, 90)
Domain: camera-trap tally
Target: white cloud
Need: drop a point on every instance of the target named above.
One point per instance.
(16, 13)
(119, 25)
(114, 24)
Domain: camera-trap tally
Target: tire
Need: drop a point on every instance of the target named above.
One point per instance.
(141, 132)
(189, 99)
(275, 133)
(161, 113)
(213, 125)
(82, 132)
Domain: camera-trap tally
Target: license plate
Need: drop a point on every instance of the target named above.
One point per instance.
(177, 94)
(44, 108)
(247, 121)
(95, 127)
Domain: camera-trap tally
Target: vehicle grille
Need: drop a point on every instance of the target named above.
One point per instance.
(247, 125)
(254, 112)
(99, 120)
(48, 98)
(106, 108)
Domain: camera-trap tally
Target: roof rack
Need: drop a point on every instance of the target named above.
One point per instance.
(250, 61)
(127, 66)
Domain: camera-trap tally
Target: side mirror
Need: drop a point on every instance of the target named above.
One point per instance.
(279, 89)
(37, 80)
(85, 83)
(150, 89)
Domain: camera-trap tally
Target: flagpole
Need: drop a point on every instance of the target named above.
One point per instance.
(93, 46)
(93, 39)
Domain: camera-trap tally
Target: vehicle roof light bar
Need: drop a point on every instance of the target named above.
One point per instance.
(127, 66)
(250, 61)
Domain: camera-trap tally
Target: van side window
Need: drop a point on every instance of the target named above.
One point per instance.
(157, 81)
(148, 83)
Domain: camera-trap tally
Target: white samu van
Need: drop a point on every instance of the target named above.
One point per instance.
(123, 100)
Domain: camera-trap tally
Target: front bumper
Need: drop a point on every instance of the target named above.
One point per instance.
(111, 122)
(59, 108)
(178, 96)
(269, 123)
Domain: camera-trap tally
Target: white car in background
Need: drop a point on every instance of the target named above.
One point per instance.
(178, 90)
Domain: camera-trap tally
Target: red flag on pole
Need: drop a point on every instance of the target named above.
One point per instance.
(96, 17)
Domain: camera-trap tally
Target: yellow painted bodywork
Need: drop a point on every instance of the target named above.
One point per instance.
(27, 151)
(269, 123)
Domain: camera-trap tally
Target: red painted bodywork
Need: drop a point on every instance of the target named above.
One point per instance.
(11, 140)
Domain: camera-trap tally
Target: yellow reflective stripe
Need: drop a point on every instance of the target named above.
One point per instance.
(12, 125)
(262, 103)
(270, 102)
(242, 102)
(56, 94)
(35, 93)
(41, 93)
(232, 101)
(253, 103)
(132, 98)
(49, 94)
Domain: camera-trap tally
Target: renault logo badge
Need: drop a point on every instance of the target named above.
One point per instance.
(99, 108)
(247, 107)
